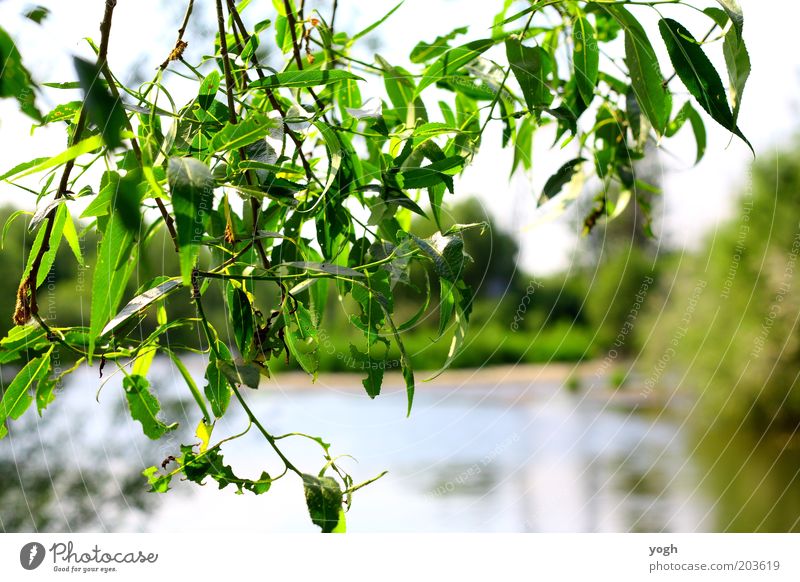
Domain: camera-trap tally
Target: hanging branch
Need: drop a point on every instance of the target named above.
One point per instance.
(26, 293)
(276, 105)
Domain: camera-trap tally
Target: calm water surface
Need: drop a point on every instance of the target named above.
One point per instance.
(510, 456)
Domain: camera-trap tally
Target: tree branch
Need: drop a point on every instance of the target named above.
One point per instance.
(26, 294)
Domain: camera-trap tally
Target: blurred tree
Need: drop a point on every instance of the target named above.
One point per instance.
(727, 320)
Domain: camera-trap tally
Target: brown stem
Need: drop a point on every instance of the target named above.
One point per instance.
(296, 51)
(292, 29)
(26, 305)
(333, 14)
(255, 204)
(226, 62)
(168, 221)
(180, 44)
(237, 20)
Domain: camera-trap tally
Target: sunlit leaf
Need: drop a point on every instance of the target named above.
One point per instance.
(586, 58)
(17, 397)
(324, 501)
(299, 79)
(144, 407)
(192, 188)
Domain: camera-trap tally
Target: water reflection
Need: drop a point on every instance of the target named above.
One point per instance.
(514, 457)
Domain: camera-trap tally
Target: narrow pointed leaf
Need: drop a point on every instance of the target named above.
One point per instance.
(586, 58)
(737, 60)
(531, 67)
(192, 188)
(698, 74)
(452, 61)
(299, 79)
(140, 303)
(17, 396)
(238, 135)
(646, 78)
(105, 111)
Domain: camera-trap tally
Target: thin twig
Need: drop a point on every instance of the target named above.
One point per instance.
(276, 105)
(333, 14)
(296, 50)
(180, 44)
(226, 62)
(26, 304)
(250, 415)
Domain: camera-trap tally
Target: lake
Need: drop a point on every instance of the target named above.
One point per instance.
(499, 450)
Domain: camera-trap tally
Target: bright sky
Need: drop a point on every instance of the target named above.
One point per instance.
(696, 198)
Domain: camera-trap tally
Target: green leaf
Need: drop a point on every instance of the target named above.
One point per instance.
(561, 178)
(531, 67)
(306, 78)
(698, 74)
(447, 302)
(144, 406)
(139, 303)
(25, 338)
(688, 112)
(22, 167)
(210, 463)
(237, 135)
(424, 51)
(105, 111)
(734, 12)
(335, 154)
(439, 172)
(17, 396)
(116, 257)
(586, 58)
(192, 187)
(49, 257)
(217, 390)
(63, 112)
(15, 81)
(241, 374)
(208, 90)
(463, 308)
(374, 368)
(324, 501)
(335, 270)
(71, 236)
(377, 23)
(451, 61)
(85, 146)
(190, 383)
(400, 88)
(737, 60)
(240, 313)
(405, 361)
(374, 299)
(45, 394)
(158, 483)
(302, 337)
(446, 253)
(645, 73)
(37, 14)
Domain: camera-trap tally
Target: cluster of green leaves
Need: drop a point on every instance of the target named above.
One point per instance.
(285, 176)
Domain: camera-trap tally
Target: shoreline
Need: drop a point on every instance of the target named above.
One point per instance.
(489, 375)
